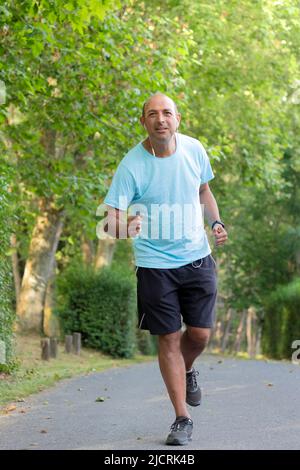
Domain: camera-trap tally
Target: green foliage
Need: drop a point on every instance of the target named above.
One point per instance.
(146, 343)
(102, 307)
(73, 99)
(123, 256)
(6, 292)
(6, 315)
(76, 74)
(242, 101)
(282, 320)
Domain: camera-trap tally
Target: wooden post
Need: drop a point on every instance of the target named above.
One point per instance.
(53, 347)
(68, 343)
(45, 344)
(77, 343)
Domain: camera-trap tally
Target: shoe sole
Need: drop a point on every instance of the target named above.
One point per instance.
(193, 403)
(189, 400)
(178, 442)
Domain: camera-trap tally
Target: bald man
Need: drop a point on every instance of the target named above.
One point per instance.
(164, 181)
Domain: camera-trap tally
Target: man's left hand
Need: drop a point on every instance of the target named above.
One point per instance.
(220, 234)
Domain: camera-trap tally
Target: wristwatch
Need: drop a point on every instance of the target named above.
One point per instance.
(217, 222)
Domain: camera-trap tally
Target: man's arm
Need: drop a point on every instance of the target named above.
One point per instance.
(211, 212)
(119, 225)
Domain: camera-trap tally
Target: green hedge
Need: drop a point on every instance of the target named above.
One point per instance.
(147, 344)
(102, 306)
(7, 314)
(282, 321)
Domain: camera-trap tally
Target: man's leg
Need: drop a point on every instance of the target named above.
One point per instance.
(173, 368)
(193, 342)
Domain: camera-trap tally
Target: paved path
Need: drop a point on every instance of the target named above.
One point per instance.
(240, 410)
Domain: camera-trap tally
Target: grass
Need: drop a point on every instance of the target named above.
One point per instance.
(35, 375)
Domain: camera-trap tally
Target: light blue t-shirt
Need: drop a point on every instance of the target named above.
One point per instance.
(166, 192)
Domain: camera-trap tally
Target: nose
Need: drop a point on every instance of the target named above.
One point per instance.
(160, 117)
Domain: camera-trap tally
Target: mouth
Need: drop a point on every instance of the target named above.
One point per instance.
(162, 129)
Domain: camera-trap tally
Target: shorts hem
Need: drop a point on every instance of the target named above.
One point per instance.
(164, 333)
(206, 325)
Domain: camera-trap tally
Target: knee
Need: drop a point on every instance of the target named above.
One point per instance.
(169, 342)
(199, 336)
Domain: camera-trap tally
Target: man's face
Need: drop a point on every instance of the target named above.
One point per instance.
(160, 119)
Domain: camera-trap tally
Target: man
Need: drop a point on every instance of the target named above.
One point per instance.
(167, 175)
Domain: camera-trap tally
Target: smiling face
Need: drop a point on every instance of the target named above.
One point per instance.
(160, 118)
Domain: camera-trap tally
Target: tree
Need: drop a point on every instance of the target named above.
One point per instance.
(64, 121)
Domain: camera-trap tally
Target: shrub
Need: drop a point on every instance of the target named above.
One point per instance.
(7, 313)
(102, 306)
(146, 343)
(282, 321)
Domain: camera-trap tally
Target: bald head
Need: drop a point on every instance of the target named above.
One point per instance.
(153, 97)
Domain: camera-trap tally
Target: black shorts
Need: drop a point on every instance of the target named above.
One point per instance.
(168, 296)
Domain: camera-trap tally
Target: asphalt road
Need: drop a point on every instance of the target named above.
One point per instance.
(246, 405)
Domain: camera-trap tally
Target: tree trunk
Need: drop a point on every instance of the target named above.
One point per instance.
(15, 266)
(38, 267)
(250, 331)
(258, 341)
(105, 252)
(218, 335)
(227, 329)
(50, 321)
(254, 333)
(87, 248)
(239, 333)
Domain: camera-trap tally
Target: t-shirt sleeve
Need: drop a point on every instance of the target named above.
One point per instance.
(122, 189)
(206, 170)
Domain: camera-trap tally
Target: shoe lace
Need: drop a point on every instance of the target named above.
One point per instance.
(192, 378)
(179, 424)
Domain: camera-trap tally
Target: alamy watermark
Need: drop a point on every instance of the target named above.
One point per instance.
(296, 354)
(2, 352)
(159, 222)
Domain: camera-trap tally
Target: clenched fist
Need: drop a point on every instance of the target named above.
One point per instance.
(134, 225)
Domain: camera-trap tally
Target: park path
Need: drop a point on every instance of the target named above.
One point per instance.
(247, 404)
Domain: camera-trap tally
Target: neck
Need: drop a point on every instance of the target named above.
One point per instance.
(160, 149)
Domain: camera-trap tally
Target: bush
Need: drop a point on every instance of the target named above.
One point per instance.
(7, 314)
(7, 317)
(102, 306)
(147, 344)
(282, 321)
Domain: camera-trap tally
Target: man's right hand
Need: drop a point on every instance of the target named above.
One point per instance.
(134, 225)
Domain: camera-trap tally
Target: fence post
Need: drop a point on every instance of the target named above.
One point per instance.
(77, 342)
(53, 347)
(45, 344)
(68, 343)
